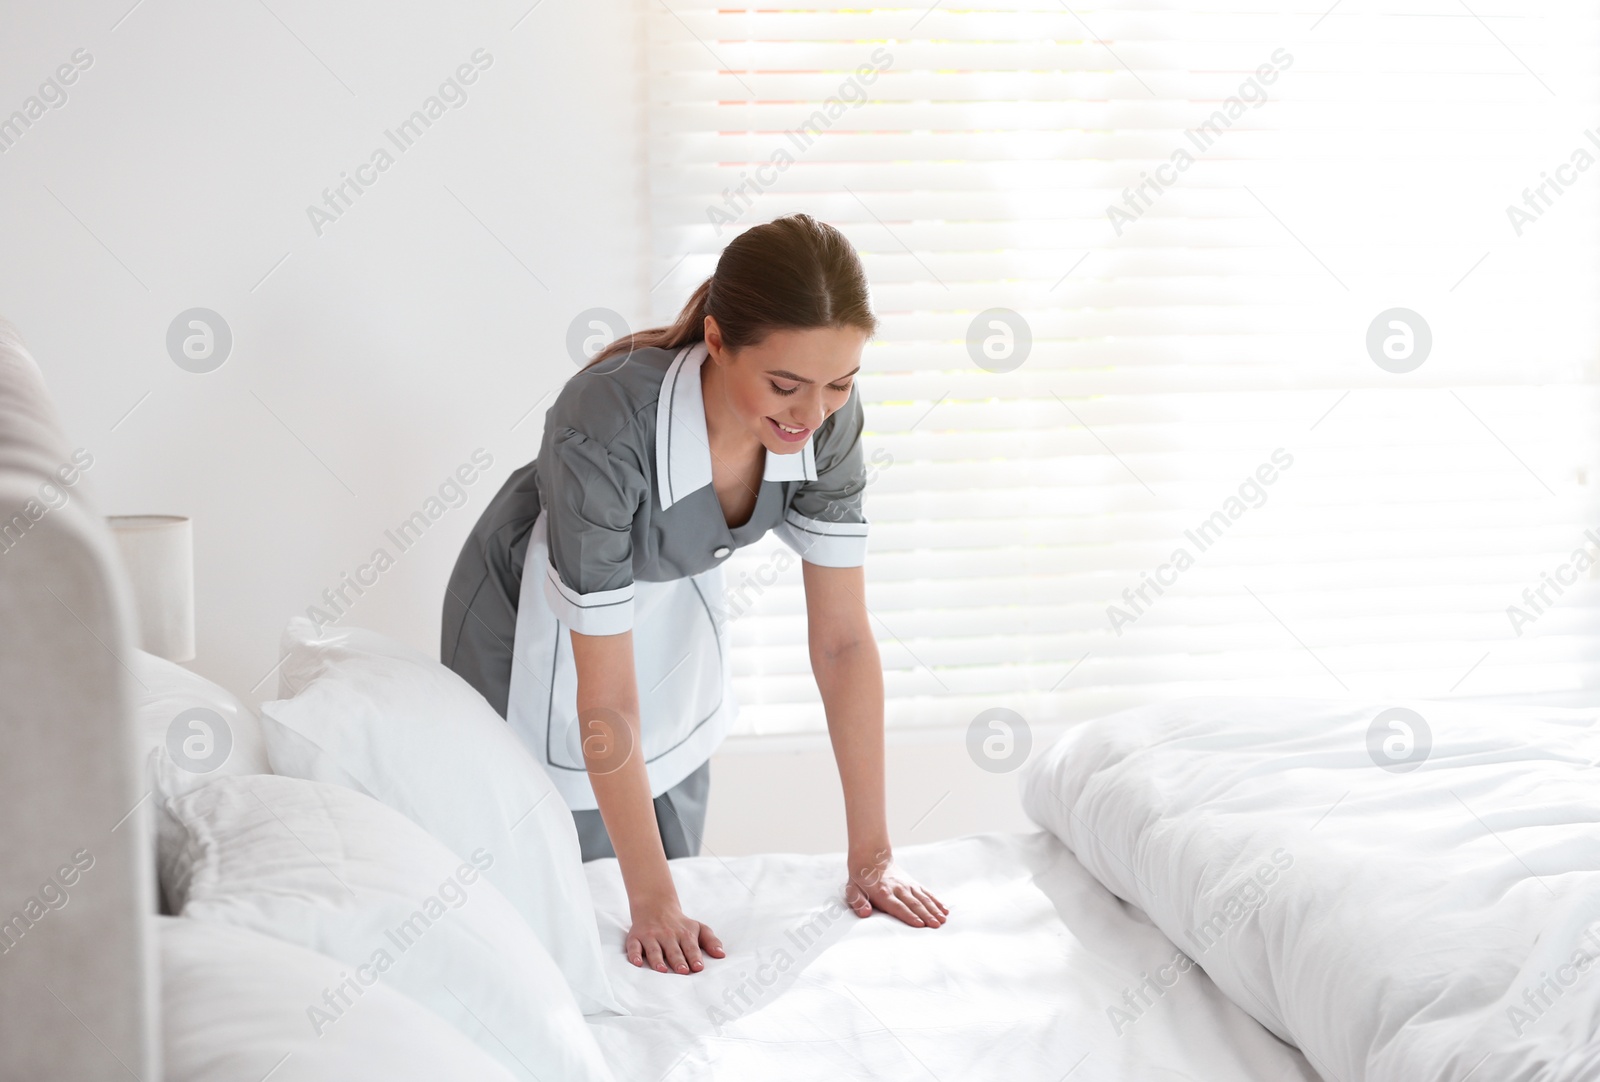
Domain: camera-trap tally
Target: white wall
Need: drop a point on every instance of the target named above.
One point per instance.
(376, 357)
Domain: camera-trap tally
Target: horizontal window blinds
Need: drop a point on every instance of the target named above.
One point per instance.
(1224, 349)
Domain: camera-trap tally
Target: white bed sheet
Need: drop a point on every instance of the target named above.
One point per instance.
(1435, 924)
(1017, 986)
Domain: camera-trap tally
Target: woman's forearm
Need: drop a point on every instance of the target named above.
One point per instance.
(844, 657)
(608, 719)
(850, 679)
(626, 806)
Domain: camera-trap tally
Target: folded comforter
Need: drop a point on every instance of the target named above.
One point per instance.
(1407, 892)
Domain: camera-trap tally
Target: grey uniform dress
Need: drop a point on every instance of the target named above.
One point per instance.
(627, 534)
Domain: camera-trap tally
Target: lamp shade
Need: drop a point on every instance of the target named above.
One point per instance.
(158, 554)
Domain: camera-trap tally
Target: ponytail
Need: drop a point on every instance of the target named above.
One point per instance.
(790, 273)
(687, 329)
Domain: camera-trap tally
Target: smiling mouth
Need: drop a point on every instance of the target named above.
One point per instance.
(787, 434)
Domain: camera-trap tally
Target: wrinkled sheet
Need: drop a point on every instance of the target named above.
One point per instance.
(1017, 986)
(1408, 903)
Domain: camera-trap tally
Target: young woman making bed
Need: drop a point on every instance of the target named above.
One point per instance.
(592, 574)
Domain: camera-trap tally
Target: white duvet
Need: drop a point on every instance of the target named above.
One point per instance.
(1018, 986)
(1403, 902)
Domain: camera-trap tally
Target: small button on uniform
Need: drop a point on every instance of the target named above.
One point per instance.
(722, 552)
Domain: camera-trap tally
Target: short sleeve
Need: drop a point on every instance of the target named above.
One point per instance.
(824, 522)
(590, 496)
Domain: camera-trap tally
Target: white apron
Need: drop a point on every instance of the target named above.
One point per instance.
(686, 701)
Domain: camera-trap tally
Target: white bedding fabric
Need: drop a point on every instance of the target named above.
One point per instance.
(1016, 986)
(162, 692)
(1432, 924)
(217, 1027)
(335, 871)
(369, 713)
(218, 737)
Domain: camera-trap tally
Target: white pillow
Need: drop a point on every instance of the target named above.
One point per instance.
(191, 731)
(373, 715)
(200, 727)
(333, 870)
(234, 1006)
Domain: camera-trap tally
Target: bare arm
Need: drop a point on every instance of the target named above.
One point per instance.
(844, 658)
(608, 715)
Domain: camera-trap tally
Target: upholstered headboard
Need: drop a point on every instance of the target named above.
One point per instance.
(79, 997)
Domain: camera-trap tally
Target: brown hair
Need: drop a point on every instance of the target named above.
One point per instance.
(792, 272)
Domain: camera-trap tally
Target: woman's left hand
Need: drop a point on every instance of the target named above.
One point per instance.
(877, 882)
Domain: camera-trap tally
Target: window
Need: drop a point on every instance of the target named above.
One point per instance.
(1305, 309)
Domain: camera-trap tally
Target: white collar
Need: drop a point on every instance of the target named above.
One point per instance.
(683, 455)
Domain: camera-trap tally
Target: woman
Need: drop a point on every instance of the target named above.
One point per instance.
(587, 577)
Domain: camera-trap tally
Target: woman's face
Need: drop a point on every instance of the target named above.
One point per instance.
(782, 388)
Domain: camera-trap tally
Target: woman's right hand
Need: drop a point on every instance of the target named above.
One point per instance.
(666, 940)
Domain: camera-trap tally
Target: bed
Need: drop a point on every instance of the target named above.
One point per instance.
(1019, 985)
(228, 907)
(367, 877)
(77, 966)
(1405, 891)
